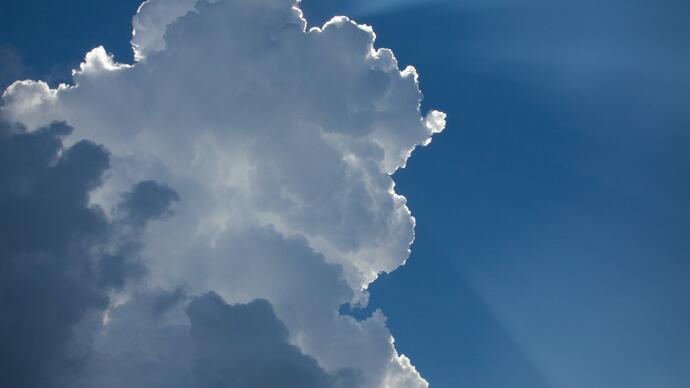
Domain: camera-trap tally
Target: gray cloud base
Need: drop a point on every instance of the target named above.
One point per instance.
(59, 256)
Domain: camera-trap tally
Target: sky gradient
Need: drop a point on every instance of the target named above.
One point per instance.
(552, 240)
(553, 213)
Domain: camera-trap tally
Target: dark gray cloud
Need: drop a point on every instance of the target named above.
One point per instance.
(168, 339)
(147, 200)
(59, 256)
(246, 346)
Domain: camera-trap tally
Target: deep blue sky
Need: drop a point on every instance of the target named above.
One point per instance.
(553, 215)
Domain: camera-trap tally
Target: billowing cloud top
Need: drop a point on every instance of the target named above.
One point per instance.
(276, 145)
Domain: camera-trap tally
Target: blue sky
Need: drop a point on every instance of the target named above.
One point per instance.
(553, 213)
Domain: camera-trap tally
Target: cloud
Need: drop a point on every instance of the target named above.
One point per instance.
(245, 346)
(201, 342)
(281, 143)
(59, 257)
(147, 200)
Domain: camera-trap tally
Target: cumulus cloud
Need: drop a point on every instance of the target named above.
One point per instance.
(278, 143)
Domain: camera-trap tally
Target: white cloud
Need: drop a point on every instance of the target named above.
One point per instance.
(280, 143)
